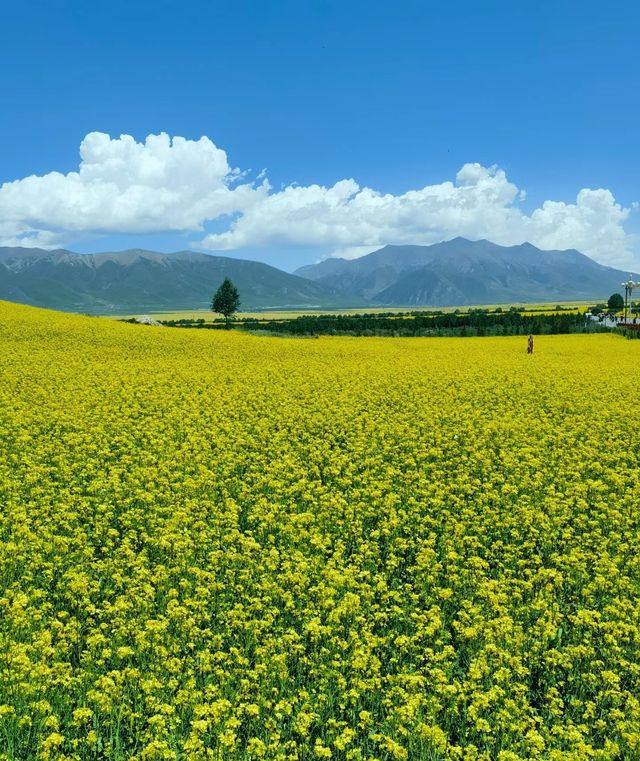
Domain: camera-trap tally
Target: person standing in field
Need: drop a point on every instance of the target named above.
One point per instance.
(530, 345)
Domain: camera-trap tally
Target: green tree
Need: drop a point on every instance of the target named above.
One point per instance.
(226, 300)
(615, 303)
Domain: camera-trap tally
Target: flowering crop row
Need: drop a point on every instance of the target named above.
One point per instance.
(221, 546)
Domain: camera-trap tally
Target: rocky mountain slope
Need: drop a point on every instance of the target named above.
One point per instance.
(145, 281)
(463, 272)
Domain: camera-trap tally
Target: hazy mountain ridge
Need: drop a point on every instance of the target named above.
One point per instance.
(138, 281)
(456, 272)
(463, 272)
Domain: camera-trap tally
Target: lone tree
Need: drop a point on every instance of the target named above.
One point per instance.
(615, 303)
(226, 300)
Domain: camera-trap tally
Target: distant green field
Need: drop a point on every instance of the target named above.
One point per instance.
(207, 315)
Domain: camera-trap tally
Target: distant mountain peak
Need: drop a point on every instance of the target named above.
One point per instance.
(138, 281)
(461, 271)
(455, 272)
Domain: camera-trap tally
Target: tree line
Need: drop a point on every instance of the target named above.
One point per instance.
(474, 323)
(478, 321)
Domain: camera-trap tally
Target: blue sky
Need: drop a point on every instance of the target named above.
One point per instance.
(396, 96)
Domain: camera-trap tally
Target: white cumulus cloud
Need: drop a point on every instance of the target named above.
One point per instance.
(124, 186)
(177, 185)
(481, 203)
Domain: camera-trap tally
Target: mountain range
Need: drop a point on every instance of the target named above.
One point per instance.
(456, 272)
(137, 281)
(464, 272)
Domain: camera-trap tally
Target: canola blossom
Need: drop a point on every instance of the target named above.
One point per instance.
(215, 545)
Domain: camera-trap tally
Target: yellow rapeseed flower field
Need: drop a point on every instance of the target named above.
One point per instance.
(220, 546)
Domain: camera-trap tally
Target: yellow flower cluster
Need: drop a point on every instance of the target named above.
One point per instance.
(221, 546)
